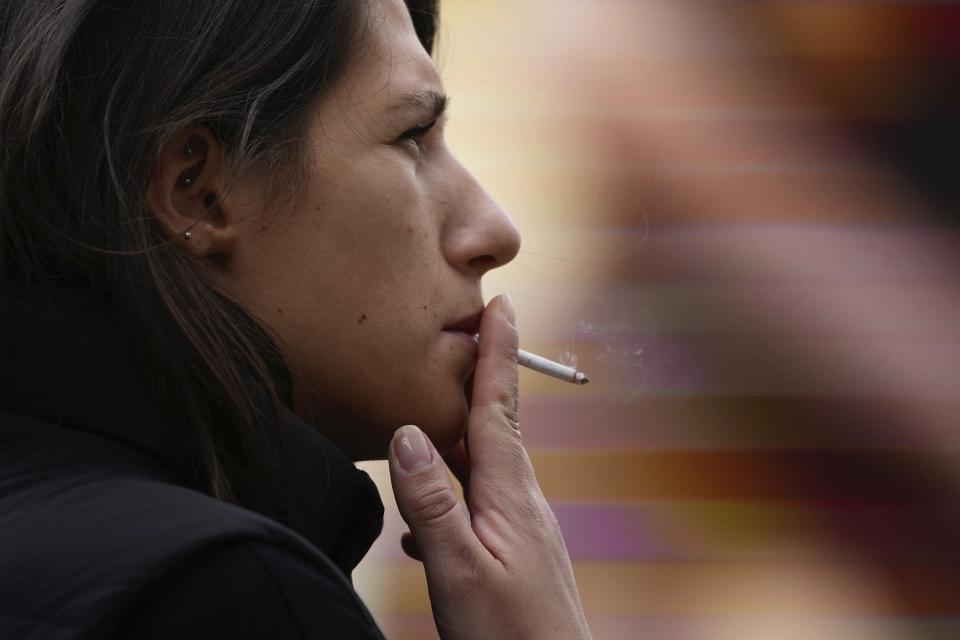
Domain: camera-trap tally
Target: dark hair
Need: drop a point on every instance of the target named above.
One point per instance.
(90, 91)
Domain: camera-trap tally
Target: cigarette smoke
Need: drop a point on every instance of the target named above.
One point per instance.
(631, 358)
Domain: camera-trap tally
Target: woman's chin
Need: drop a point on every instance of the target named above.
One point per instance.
(444, 432)
(442, 416)
(445, 429)
(366, 436)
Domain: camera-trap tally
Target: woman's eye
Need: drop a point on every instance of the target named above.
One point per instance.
(417, 133)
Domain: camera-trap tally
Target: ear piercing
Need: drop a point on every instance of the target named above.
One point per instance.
(188, 180)
(188, 150)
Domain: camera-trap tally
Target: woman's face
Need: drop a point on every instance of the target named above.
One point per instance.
(385, 250)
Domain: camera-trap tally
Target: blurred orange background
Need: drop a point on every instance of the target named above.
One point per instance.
(739, 219)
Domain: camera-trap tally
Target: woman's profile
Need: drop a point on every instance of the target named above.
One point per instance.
(238, 257)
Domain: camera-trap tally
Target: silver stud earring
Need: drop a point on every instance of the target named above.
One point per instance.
(188, 150)
(187, 235)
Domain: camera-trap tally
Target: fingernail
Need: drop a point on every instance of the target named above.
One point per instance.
(508, 308)
(410, 447)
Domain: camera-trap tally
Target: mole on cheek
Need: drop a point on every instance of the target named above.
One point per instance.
(361, 319)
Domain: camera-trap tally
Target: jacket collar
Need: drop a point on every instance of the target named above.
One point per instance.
(70, 367)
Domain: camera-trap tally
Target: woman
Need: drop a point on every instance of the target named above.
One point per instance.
(237, 256)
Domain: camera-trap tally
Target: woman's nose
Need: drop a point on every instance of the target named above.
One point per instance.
(480, 235)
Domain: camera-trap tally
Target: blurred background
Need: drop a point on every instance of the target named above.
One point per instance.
(739, 218)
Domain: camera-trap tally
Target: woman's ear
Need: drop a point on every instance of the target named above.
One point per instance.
(185, 193)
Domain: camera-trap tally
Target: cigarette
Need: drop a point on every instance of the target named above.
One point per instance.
(549, 367)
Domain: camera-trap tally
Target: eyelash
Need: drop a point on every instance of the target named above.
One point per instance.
(417, 133)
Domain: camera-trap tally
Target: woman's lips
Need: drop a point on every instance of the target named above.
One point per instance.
(468, 342)
(465, 338)
(469, 323)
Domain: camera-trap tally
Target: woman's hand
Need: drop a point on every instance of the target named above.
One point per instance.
(497, 566)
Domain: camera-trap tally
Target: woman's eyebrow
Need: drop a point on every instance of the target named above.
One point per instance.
(430, 102)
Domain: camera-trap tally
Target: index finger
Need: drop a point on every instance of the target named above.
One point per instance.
(495, 381)
(494, 420)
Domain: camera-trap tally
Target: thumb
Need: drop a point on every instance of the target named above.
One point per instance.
(439, 521)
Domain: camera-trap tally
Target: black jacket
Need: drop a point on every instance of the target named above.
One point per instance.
(103, 533)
